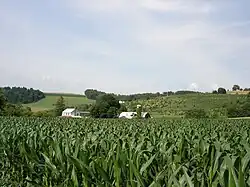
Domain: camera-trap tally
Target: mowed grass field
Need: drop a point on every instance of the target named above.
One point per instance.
(51, 98)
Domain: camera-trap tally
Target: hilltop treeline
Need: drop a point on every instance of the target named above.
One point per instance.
(22, 95)
(94, 94)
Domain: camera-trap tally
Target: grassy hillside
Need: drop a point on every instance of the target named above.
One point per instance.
(51, 98)
(175, 106)
(239, 92)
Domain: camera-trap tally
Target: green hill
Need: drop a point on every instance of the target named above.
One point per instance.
(51, 98)
(176, 105)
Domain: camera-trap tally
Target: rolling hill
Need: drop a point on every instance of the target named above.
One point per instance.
(51, 98)
(165, 106)
(176, 105)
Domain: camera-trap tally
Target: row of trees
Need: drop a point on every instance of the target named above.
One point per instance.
(237, 87)
(9, 109)
(94, 94)
(22, 95)
(234, 88)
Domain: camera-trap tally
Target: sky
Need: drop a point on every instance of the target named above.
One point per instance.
(124, 46)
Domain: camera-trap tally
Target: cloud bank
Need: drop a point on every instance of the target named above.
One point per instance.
(124, 46)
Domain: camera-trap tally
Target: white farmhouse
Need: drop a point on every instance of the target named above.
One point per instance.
(130, 115)
(71, 112)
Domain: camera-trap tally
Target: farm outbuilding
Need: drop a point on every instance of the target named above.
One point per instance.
(130, 115)
(73, 112)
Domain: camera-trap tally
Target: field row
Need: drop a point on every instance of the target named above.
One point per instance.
(76, 152)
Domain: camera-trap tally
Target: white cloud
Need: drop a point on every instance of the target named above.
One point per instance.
(191, 6)
(128, 46)
(193, 86)
(46, 78)
(215, 86)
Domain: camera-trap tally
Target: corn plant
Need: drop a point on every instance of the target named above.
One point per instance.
(87, 152)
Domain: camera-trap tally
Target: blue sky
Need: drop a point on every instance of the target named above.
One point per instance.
(124, 46)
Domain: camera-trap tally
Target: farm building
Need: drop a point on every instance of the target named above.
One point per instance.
(73, 112)
(130, 115)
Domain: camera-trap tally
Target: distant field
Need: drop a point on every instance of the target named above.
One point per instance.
(51, 98)
(64, 94)
(176, 105)
(239, 92)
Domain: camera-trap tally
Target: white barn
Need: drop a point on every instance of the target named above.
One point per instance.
(130, 115)
(71, 112)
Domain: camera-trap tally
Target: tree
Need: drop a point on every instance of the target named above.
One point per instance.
(222, 91)
(2, 101)
(22, 95)
(16, 110)
(112, 112)
(123, 108)
(215, 92)
(93, 94)
(94, 111)
(236, 87)
(60, 106)
(84, 107)
(106, 106)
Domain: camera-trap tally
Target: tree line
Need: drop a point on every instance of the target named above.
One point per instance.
(22, 95)
(236, 87)
(94, 94)
(106, 106)
(9, 109)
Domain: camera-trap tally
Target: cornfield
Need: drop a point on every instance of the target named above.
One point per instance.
(75, 152)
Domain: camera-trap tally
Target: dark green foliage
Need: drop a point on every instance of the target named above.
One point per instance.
(45, 113)
(94, 94)
(123, 108)
(222, 91)
(106, 106)
(16, 110)
(8, 109)
(2, 101)
(83, 107)
(94, 111)
(196, 113)
(22, 95)
(215, 92)
(59, 106)
(185, 92)
(112, 112)
(236, 87)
